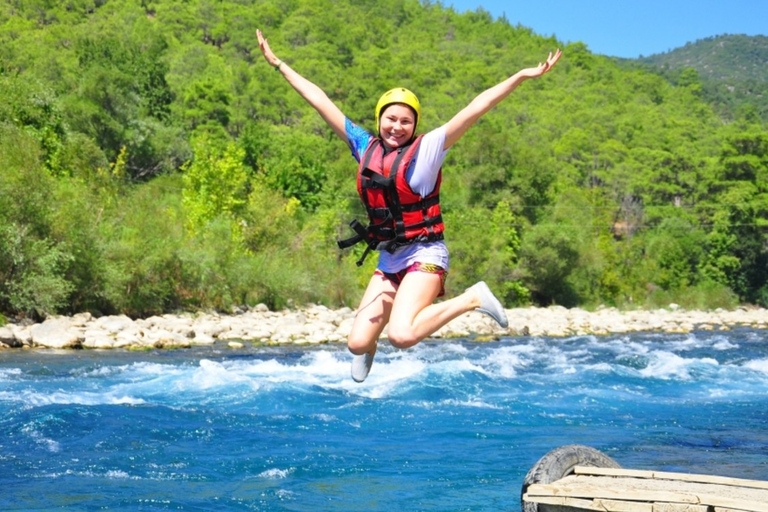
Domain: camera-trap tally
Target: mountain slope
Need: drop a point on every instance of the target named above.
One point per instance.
(728, 57)
(732, 71)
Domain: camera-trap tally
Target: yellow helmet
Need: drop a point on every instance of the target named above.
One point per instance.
(398, 95)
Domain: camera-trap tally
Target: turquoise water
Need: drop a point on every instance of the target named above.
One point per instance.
(445, 426)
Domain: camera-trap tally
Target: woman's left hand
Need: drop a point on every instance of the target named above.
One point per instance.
(543, 67)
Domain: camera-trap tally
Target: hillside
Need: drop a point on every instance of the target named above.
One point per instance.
(733, 70)
(151, 161)
(738, 58)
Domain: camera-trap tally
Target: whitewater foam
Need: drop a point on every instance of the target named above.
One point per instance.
(276, 474)
(758, 365)
(667, 365)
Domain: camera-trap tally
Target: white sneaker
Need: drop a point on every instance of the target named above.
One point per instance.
(361, 365)
(489, 304)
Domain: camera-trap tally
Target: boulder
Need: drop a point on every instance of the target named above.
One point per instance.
(114, 324)
(8, 338)
(56, 333)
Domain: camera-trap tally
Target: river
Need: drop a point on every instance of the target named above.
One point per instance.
(445, 426)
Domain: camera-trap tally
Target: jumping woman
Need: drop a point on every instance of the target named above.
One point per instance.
(398, 179)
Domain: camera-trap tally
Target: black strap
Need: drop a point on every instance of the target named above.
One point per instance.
(376, 180)
(361, 233)
(423, 204)
(367, 251)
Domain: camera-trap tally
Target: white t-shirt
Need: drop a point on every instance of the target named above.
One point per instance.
(422, 176)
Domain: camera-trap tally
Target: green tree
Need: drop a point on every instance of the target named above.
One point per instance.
(32, 262)
(215, 183)
(34, 107)
(485, 244)
(294, 166)
(738, 256)
(548, 256)
(674, 252)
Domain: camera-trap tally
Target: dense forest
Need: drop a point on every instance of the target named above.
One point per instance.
(732, 69)
(151, 161)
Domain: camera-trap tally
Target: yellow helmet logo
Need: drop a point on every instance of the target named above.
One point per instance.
(398, 95)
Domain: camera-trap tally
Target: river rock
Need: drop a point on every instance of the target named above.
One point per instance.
(8, 338)
(22, 334)
(161, 338)
(115, 323)
(316, 324)
(56, 333)
(98, 339)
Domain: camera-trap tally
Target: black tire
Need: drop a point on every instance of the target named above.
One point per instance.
(559, 463)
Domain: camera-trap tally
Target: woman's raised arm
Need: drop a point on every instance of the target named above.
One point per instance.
(308, 90)
(485, 101)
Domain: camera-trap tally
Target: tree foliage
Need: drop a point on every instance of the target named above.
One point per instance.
(150, 160)
(733, 71)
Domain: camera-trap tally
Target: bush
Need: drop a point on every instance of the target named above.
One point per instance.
(548, 256)
(32, 278)
(32, 264)
(76, 224)
(144, 233)
(217, 272)
(484, 245)
(674, 251)
(707, 295)
(762, 296)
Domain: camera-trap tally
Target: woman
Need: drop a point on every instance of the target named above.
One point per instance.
(413, 258)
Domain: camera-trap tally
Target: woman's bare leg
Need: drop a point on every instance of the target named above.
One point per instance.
(414, 316)
(372, 315)
(411, 314)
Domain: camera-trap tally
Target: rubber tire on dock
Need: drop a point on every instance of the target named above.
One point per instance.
(559, 463)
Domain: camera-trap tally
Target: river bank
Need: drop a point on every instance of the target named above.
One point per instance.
(318, 324)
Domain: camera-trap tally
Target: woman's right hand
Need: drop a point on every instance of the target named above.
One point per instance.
(264, 47)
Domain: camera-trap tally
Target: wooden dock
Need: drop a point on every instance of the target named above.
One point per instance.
(628, 490)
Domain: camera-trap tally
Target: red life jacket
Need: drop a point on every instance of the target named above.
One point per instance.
(397, 215)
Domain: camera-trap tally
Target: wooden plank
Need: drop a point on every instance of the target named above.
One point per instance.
(567, 502)
(664, 475)
(598, 505)
(620, 506)
(623, 506)
(585, 487)
(677, 507)
(735, 504)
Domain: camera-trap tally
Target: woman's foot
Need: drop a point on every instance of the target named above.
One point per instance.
(489, 304)
(361, 365)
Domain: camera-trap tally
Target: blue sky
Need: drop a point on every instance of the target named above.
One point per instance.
(624, 28)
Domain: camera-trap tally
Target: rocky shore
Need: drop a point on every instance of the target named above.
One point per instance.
(318, 324)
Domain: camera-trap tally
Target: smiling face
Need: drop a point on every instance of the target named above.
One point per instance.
(397, 125)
